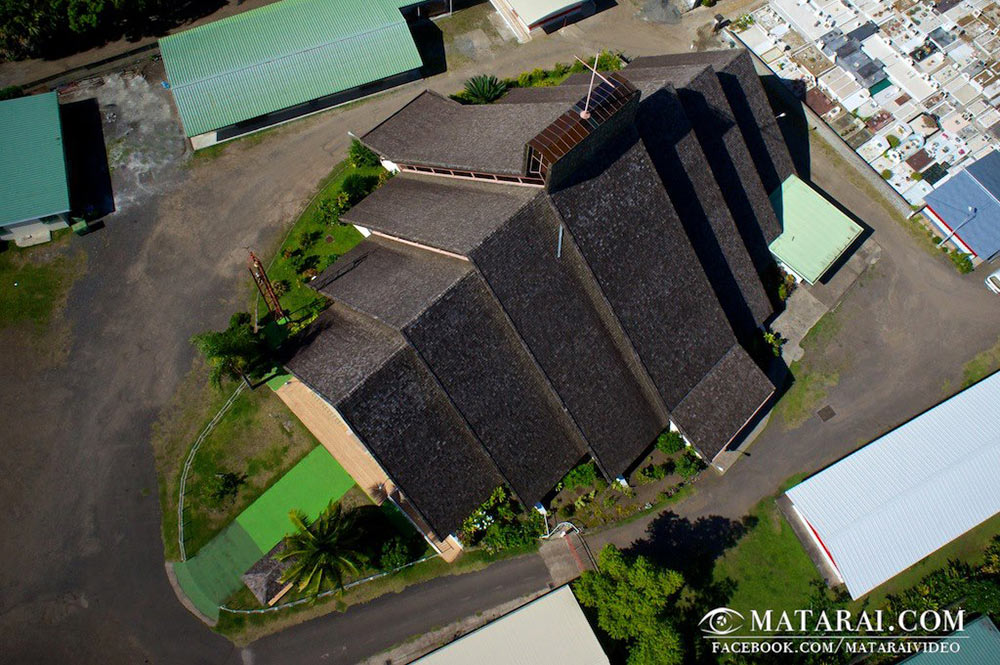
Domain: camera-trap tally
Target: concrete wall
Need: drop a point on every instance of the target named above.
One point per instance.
(34, 231)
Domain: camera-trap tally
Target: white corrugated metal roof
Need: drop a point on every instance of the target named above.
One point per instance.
(533, 12)
(888, 505)
(551, 629)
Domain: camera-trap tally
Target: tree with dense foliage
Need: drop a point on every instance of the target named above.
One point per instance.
(53, 28)
(324, 551)
(360, 156)
(633, 598)
(238, 352)
(484, 89)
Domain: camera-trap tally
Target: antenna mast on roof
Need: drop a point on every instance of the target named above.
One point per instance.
(585, 113)
(263, 283)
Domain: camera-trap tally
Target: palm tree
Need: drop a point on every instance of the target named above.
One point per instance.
(236, 352)
(322, 552)
(484, 89)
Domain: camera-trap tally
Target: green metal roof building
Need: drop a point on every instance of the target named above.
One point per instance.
(814, 232)
(286, 55)
(33, 181)
(978, 644)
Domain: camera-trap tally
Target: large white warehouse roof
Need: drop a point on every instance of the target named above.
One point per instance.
(551, 629)
(885, 507)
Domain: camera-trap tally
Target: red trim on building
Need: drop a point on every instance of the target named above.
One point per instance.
(821, 543)
(950, 230)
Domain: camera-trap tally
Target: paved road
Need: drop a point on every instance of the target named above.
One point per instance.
(81, 573)
(350, 637)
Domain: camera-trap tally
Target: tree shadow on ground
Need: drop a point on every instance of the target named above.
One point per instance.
(691, 548)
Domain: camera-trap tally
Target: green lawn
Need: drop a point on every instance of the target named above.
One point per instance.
(772, 570)
(981, 366)
(35, 282)
(214, 572)
(258, 436)
(321, 243)
(769, 565)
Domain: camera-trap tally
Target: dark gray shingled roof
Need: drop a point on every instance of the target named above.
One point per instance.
(631, 237)
(391, 281)
(435, 131)
(470, 346)
(722, 402)
(445, 213)
(407, 422)
(263, 577)
(722, 143)
(684, 171)
(555, 308)
(340, 349)
(750, 106)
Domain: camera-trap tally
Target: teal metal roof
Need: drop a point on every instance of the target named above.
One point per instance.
(284, 54)
(979, 644)
(32, 165)
(814, 232)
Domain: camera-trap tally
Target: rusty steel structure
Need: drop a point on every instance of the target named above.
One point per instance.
(264, 286)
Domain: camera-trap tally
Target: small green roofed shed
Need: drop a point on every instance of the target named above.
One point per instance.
(283, 55)
(814, 232)
(33, 180)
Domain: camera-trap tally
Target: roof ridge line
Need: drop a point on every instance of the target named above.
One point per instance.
(285, 56)
(981, 185)
(710, 370)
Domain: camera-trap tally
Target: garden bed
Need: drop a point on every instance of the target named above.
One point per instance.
(662, 477)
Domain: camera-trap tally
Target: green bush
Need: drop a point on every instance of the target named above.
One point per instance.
(11, 92)
(670, 442)
(689, 465)
(225, 486)
(360, 156)
(893, 141)
(654, 472)
(916, 175)
(395, 554)
(584, 475)
(501, 523)
(484, 89)
(357, 186)
(961, 261)
(886, 174)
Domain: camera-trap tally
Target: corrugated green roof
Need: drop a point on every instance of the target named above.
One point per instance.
(283, 54)
(978, 644)
(814, 233)
(32, 165)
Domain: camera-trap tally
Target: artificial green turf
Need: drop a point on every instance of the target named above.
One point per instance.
(216, 571)
(309, 486)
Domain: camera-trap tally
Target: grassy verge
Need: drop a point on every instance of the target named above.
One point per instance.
(812, 377)
(771, 569)
(258, 438)
(769, 566)
(34, 287)
(36, 281)
(981, 366)
(967, 548)
(245, 628)
(314, 242)
(193, 405)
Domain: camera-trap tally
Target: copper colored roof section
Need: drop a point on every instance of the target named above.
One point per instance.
(569, 129)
